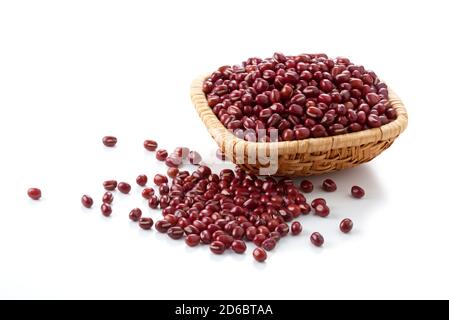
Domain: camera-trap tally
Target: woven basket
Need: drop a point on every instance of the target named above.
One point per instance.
(312, 156)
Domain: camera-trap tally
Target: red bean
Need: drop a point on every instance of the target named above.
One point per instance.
(217, 247)
(318, 201)
(306, 186)
(283, 229)
(162, 226)
(238, 246)
(146, 223)
(141, 180)
(124, 187)
(192, 240)
(317, 239)
(296, 228)
(160, 180)
(106, 209)
(329, 185)
(109, 141)
(269, 244)
(206, 237)
(110, 185)
(346, 225)
(87, 201)
(175, 233)
(153, 202)
(294, 209)
(259, 239)
(135, 214)
(164, 189)
(147, 193)
(161, 155)
(34, 193)
(322, 210)
(172, 172)
(150, 145)
(226, 240)
(251, 233)
(191, 229)
(357, 192)
(108, 197)
(260, 255)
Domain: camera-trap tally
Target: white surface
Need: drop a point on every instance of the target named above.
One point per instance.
(73, 71)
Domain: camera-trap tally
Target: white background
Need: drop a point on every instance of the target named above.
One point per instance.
(73, 71)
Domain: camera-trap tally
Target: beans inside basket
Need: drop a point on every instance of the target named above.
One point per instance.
(286, 98)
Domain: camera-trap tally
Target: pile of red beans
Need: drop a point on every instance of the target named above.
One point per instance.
(297, 97)
(222, 210)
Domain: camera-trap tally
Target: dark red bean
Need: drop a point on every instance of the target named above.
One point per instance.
(269, 244)
(296, 228)
(150, 145)
(329, 185)
(302, 133)
(172, 172)
(259, 239)
(135, 214)
(357, 192)
(141, 180)
(153, 202)
(160, 179)
(161, 155)
(192, 240)
(206, 237)
(147, 193)
(109, 141)
(164, 189)
(225, 239)
(110, 185)
(146, 223)
(251, 233)
(106, 209)
(108, 197)
(175, 233)
(283, 229)
(162, 226)
(294, 209)
(275, 236)
(172, 219)
(317, 239)
(260, 254)
(217, 247)
(373, 121)
(318, 201)
(306, 186)
(346, 225)
(87, 201)
(305, 208)
(124, 187)
(322, 210)
(238, 246)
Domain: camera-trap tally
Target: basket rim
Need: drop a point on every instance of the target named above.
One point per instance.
(223, 137)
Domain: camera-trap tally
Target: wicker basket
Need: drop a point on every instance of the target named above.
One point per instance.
(302, 157)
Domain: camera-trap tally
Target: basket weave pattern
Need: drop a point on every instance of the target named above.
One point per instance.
(304, 157)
